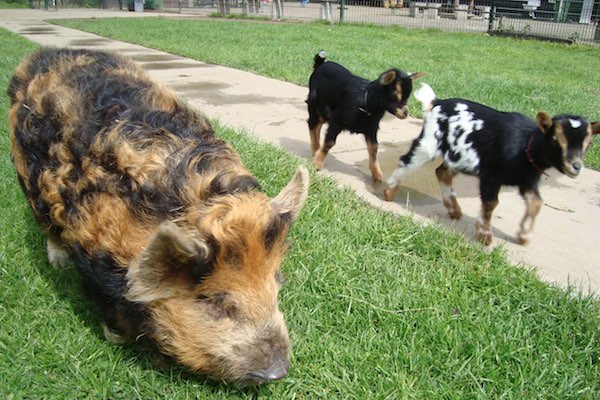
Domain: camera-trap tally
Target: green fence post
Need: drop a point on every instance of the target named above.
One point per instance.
(492, 13)
(563, 10)
(341, 11)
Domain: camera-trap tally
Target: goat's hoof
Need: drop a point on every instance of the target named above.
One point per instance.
(376, 175)
(454, 211)
(485, 237)
(318, 161)
(454, 214)
(388, 194)
(523, 238)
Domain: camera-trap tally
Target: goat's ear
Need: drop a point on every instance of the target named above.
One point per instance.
(387, 78)
(595, 128)
(172, 263)
(544, 121)
(416, 75)
(291, 199)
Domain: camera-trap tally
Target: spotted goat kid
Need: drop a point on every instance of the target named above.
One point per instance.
(168, 229)
(500, 148)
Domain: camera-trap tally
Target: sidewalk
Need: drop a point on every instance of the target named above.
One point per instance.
(563, 244)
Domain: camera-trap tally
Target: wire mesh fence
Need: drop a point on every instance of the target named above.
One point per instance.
(573, 21)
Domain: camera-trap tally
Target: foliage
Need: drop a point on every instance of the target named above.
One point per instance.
(14, 4)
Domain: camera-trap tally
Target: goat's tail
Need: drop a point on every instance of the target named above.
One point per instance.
(319, 59)
(426, 96)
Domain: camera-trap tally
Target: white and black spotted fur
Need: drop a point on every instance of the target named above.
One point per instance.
(500, 148)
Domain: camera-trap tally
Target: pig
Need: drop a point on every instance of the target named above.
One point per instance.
(174, 240)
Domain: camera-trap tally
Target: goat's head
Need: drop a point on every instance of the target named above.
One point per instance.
(569, 137)
(397, 87)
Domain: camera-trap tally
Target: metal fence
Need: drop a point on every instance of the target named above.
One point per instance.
(573, 21)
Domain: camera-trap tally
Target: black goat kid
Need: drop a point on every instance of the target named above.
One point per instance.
(346, 101)
(500, 148)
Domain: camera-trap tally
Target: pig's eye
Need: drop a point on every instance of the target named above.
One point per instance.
(219, 305)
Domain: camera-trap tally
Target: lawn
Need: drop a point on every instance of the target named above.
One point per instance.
(13, 4)
(378, 307)
(512, 75)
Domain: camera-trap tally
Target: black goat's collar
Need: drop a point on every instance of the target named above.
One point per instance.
(530, 158)
(363, 105)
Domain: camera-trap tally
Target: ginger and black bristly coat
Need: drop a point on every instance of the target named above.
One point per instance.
(169, 230)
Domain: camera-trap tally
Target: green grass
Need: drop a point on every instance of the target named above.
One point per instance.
(377, 306)
(13, 4)
(511, 75)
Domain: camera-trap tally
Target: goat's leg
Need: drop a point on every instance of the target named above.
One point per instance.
(315, 122)
(445, 176)
(533, 203)
(418, 155)
(315, 134)
(374, 167)
(489, 201)
(483, 226)
(328, 143)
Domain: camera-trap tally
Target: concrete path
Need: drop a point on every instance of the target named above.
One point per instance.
(563, 246)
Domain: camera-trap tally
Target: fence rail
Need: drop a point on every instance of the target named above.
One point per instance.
(573, 21)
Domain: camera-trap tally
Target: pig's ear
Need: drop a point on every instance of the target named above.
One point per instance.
(173, 263)
(291, 199)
